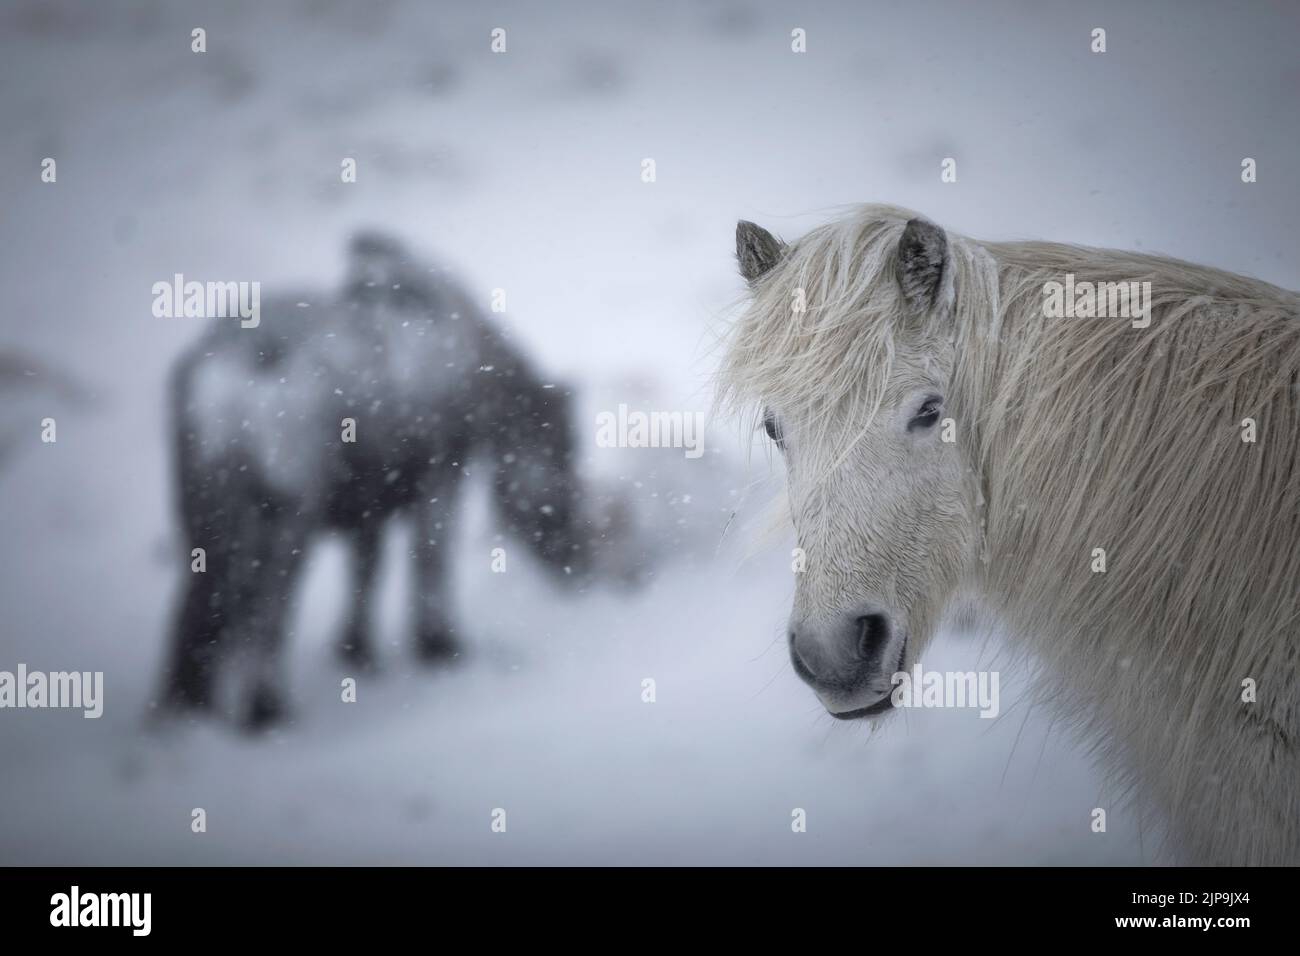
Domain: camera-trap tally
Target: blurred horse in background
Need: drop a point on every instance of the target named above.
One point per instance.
(332, 416)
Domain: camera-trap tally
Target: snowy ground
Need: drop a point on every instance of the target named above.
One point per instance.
(523, 171)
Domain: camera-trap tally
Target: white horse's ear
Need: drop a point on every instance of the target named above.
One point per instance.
(922, 259)
(757, 250)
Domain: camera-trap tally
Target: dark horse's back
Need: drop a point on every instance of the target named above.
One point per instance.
(337, 405)
(334, 412)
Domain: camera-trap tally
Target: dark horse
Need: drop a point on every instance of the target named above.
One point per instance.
(333, 416)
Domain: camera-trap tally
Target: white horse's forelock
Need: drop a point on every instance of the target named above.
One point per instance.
(1091, 434)
(777, 352)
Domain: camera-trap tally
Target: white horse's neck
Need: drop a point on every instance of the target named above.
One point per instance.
(1140, 548)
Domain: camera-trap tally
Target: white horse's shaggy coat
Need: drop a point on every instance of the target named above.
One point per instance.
(1071, 435)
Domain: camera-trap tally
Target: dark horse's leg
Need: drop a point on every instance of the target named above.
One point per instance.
(210, 594)
(435, 640)
(196, 644)
(280, 551)
(215, 601)
(356, 647)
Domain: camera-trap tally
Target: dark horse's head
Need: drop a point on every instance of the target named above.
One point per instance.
(535, 485)
(522, 424)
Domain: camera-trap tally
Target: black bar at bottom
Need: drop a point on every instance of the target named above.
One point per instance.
(210, 905)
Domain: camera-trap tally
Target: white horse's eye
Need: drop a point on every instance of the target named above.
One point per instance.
(927, 416)
(773, 429)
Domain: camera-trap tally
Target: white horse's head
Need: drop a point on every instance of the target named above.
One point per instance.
(848, 351)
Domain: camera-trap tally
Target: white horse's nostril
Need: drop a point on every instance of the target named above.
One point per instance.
(843, 653)
(873, 635)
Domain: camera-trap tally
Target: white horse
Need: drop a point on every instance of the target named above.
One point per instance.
(1125, 497)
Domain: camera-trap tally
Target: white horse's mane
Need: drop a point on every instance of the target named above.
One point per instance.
(1085, 434)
